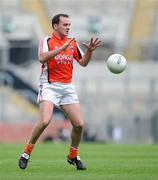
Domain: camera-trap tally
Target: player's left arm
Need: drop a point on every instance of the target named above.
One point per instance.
(91, 46)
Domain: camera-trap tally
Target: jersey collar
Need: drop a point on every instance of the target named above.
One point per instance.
(56, 38)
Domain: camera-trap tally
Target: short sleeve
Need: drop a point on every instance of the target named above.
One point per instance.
(78, 53)
(43, 46)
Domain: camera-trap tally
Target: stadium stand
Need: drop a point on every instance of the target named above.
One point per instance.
(37, 7)
(143, 16)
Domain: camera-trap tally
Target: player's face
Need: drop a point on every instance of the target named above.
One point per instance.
(64, 26)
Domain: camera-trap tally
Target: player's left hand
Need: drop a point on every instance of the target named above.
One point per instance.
(93, 44)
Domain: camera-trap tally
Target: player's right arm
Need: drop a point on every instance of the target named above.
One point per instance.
(45, 55)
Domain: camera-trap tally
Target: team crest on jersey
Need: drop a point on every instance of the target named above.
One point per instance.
(71, 48)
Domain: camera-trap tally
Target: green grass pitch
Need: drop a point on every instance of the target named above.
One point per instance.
(104, 162)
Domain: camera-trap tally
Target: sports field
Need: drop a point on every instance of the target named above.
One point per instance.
(104, 161)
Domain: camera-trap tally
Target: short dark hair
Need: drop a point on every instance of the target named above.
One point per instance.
(56, 18)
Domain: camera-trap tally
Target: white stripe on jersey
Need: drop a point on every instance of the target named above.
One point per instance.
(80, 49)
(43, 46)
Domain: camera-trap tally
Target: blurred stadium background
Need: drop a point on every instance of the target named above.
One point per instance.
(117, 108)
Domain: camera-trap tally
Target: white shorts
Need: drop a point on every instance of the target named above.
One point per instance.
(58, 93)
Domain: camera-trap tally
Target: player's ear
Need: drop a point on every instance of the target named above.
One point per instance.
(55, 26)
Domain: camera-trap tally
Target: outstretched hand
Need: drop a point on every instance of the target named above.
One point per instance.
(66, 44)
(93, 44)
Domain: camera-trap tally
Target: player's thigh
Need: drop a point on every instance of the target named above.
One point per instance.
(46, 110)
(73, 111)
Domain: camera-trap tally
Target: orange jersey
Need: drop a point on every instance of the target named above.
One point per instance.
(59, 68)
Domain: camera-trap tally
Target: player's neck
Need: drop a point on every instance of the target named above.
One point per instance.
(59, 36)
